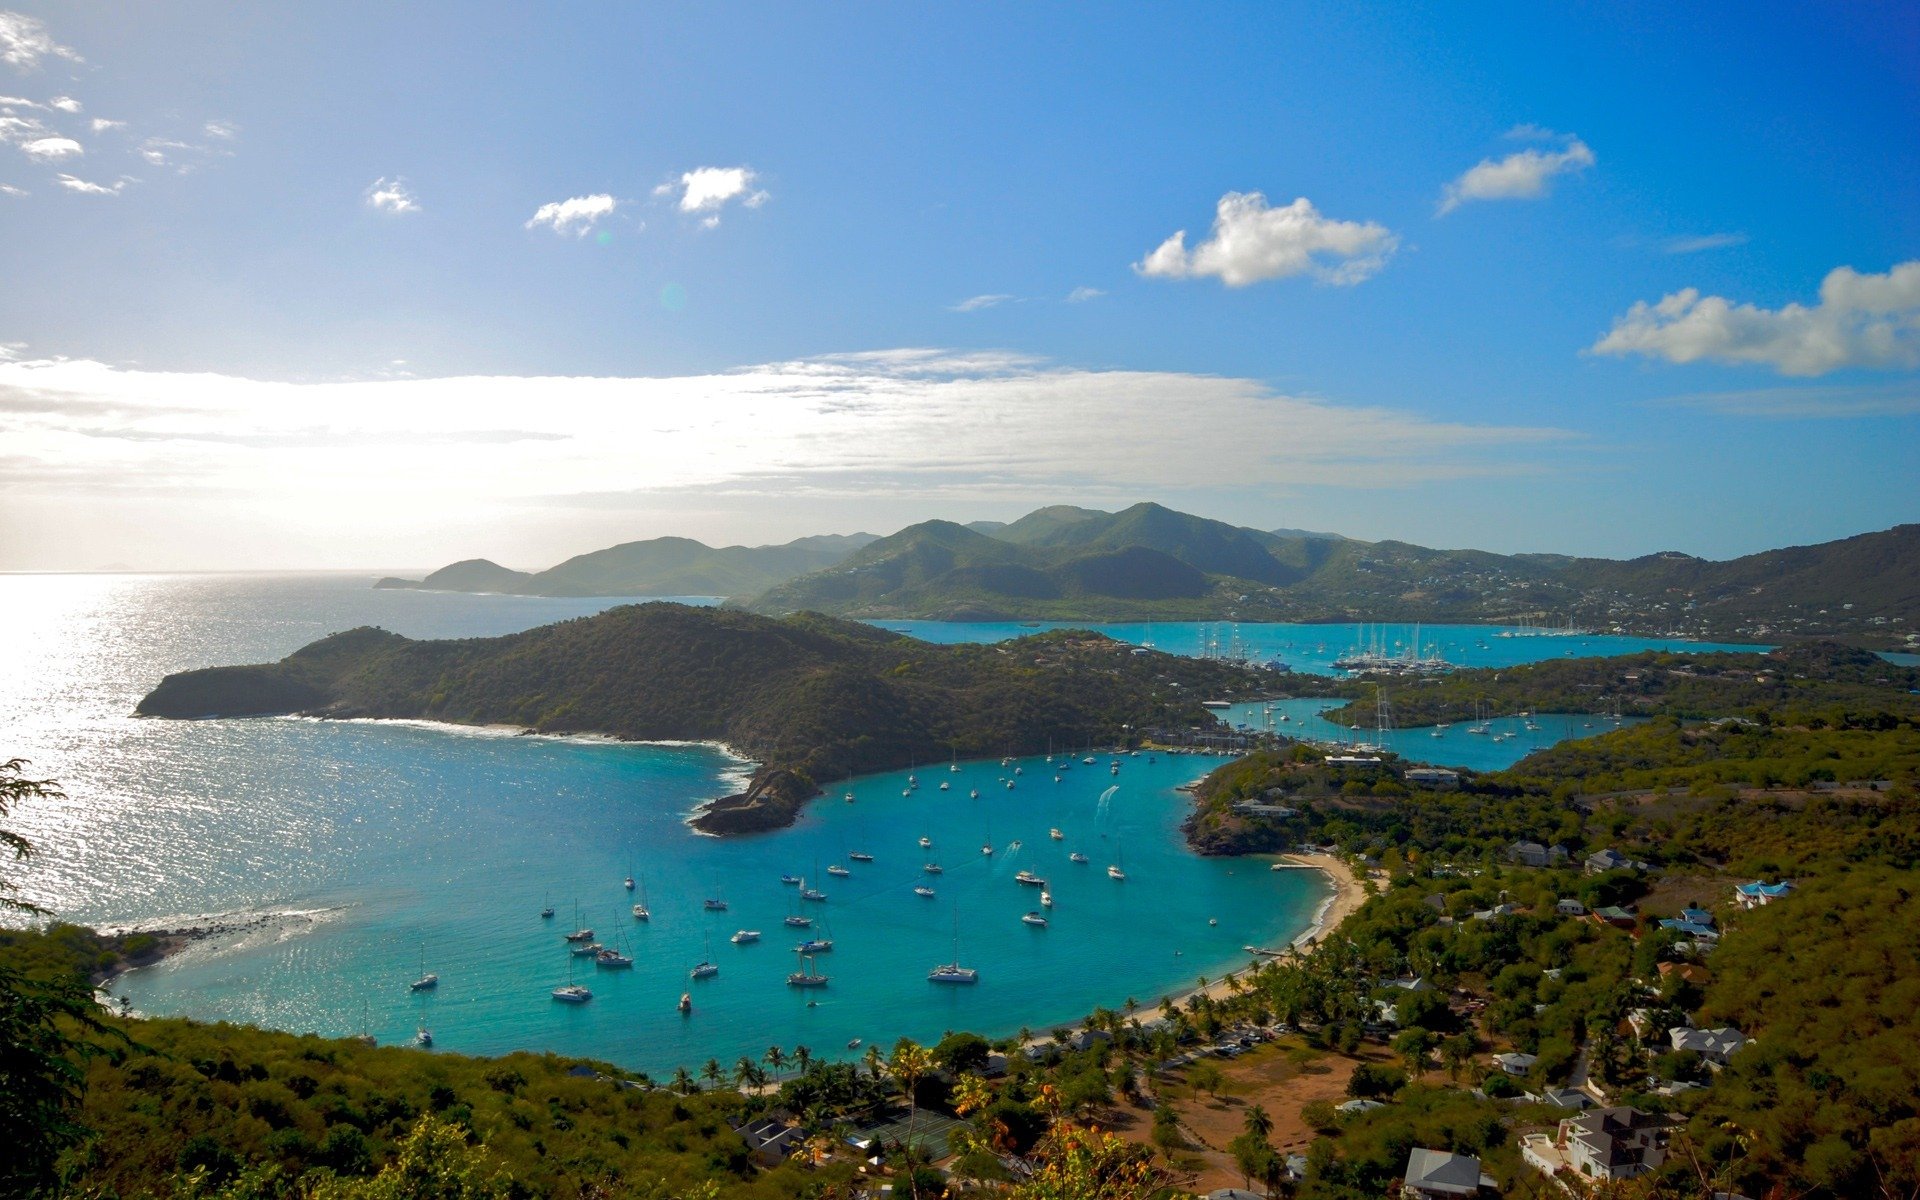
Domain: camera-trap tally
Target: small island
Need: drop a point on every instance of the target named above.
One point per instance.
(810, 698)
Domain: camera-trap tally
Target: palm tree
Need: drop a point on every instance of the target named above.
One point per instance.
(908, 1063)
(712, 1072)
(803, 1057)
(1258, 1123)
(775, 1057)
(744, 1071)
(875, 1061)
(1133, 1006)
(683, 1081)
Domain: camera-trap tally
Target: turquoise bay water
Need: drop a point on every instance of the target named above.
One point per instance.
(1313, 648)
(1450, 747)
(363, 846)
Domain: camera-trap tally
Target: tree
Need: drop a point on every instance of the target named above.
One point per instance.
(436, 1162)
(962, 1052)
(775, 1057)
(1258, 1123)
(1076, 1163)
(802, 1057)
(44, 1021)
(1250, 1154)
(1413, 1047)
(908, 1063)
(712, 1072)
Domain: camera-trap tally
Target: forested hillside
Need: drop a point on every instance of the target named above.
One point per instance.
(812, 698)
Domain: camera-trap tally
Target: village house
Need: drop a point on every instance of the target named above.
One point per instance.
(1607, 1143)
(1515, 1064)
(1438, 1175)
(1758, 893)
(1714, 1045)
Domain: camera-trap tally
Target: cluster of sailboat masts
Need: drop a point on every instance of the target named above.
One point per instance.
(1059, 766)
(1373, 656)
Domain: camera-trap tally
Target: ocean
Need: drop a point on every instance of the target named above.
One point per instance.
(353, 855)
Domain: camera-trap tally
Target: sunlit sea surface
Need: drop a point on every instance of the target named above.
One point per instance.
(363, 852)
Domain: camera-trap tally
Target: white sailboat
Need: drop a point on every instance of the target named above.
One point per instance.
(953, 972)
(428, 980)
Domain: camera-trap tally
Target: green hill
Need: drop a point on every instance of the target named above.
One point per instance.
(812, 698)
(1068, 563)
(666, 566)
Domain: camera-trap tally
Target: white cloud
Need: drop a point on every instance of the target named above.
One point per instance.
(7, 189)
(1251, 241)
(1081, 295)
(88, 188)
(391, 196)
(1519, 176)
(50, 149)
(20, 102)
(976, 303)
(577, 215)
(102, 124)
(1860, 321)
(710, 189)
(492, 451)
(24, 41)
(1694, 244)
(66, 104)
(226, 131)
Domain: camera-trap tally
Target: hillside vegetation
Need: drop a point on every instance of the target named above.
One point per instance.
(1795, 679)
(667, 566)
(812, 698)
(1149, 562)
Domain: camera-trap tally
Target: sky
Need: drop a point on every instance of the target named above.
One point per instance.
(386, 286)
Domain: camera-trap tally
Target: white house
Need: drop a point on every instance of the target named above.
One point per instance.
(1517, 1065)
(1714, 1045)
(1607, 1143)
(1438, 1175)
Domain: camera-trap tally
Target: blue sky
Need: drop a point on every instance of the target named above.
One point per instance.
(299, 309)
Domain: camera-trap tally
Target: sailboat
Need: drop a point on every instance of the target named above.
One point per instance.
(581, 933)
(573, 993)
(428, 980)
(640, 910)
(705, 968)
(837, 869)
(1114, 871)
(629, 882)
(546, 914)
(954, 766)
(806, 976)
(953, 972)
(1077, 857)
(614, 960)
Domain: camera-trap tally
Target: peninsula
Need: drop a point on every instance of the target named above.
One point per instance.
(812, 699)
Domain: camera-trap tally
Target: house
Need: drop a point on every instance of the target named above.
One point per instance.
(770, 1141)
(1528, 854)
(1692, 930)
(1613, 1143)
(1087, 1039)
(1354, 760)
(1433, 777)
(1254, 808)
(1517, 1065)
(1616, 916)
(1693, 973)
(1416, 984)
(1498, 910)
(1569, 907)
(1758, 893)
(1699, 916)
(1438, 1175)
(1714, 1045)
(1607, 860)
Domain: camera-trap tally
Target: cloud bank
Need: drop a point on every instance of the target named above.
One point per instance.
(1252, 241)
(1861, 321)
(88, 438)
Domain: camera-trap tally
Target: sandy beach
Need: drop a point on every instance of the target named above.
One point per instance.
(1348, 895)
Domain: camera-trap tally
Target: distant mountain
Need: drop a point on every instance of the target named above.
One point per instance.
(1150, 562)
(814, 699)
(667, 566)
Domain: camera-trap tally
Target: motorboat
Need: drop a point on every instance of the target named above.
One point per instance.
(745, 937)
(1029, 879)
(799, 922)
(926, 843)
(1035, 919)
(932, 868)
(859, 856)
(790, 880)
(1056, 835)
(704, 970)
(1077, 857)
(573, 993)
(923, 890)
(837, 869)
